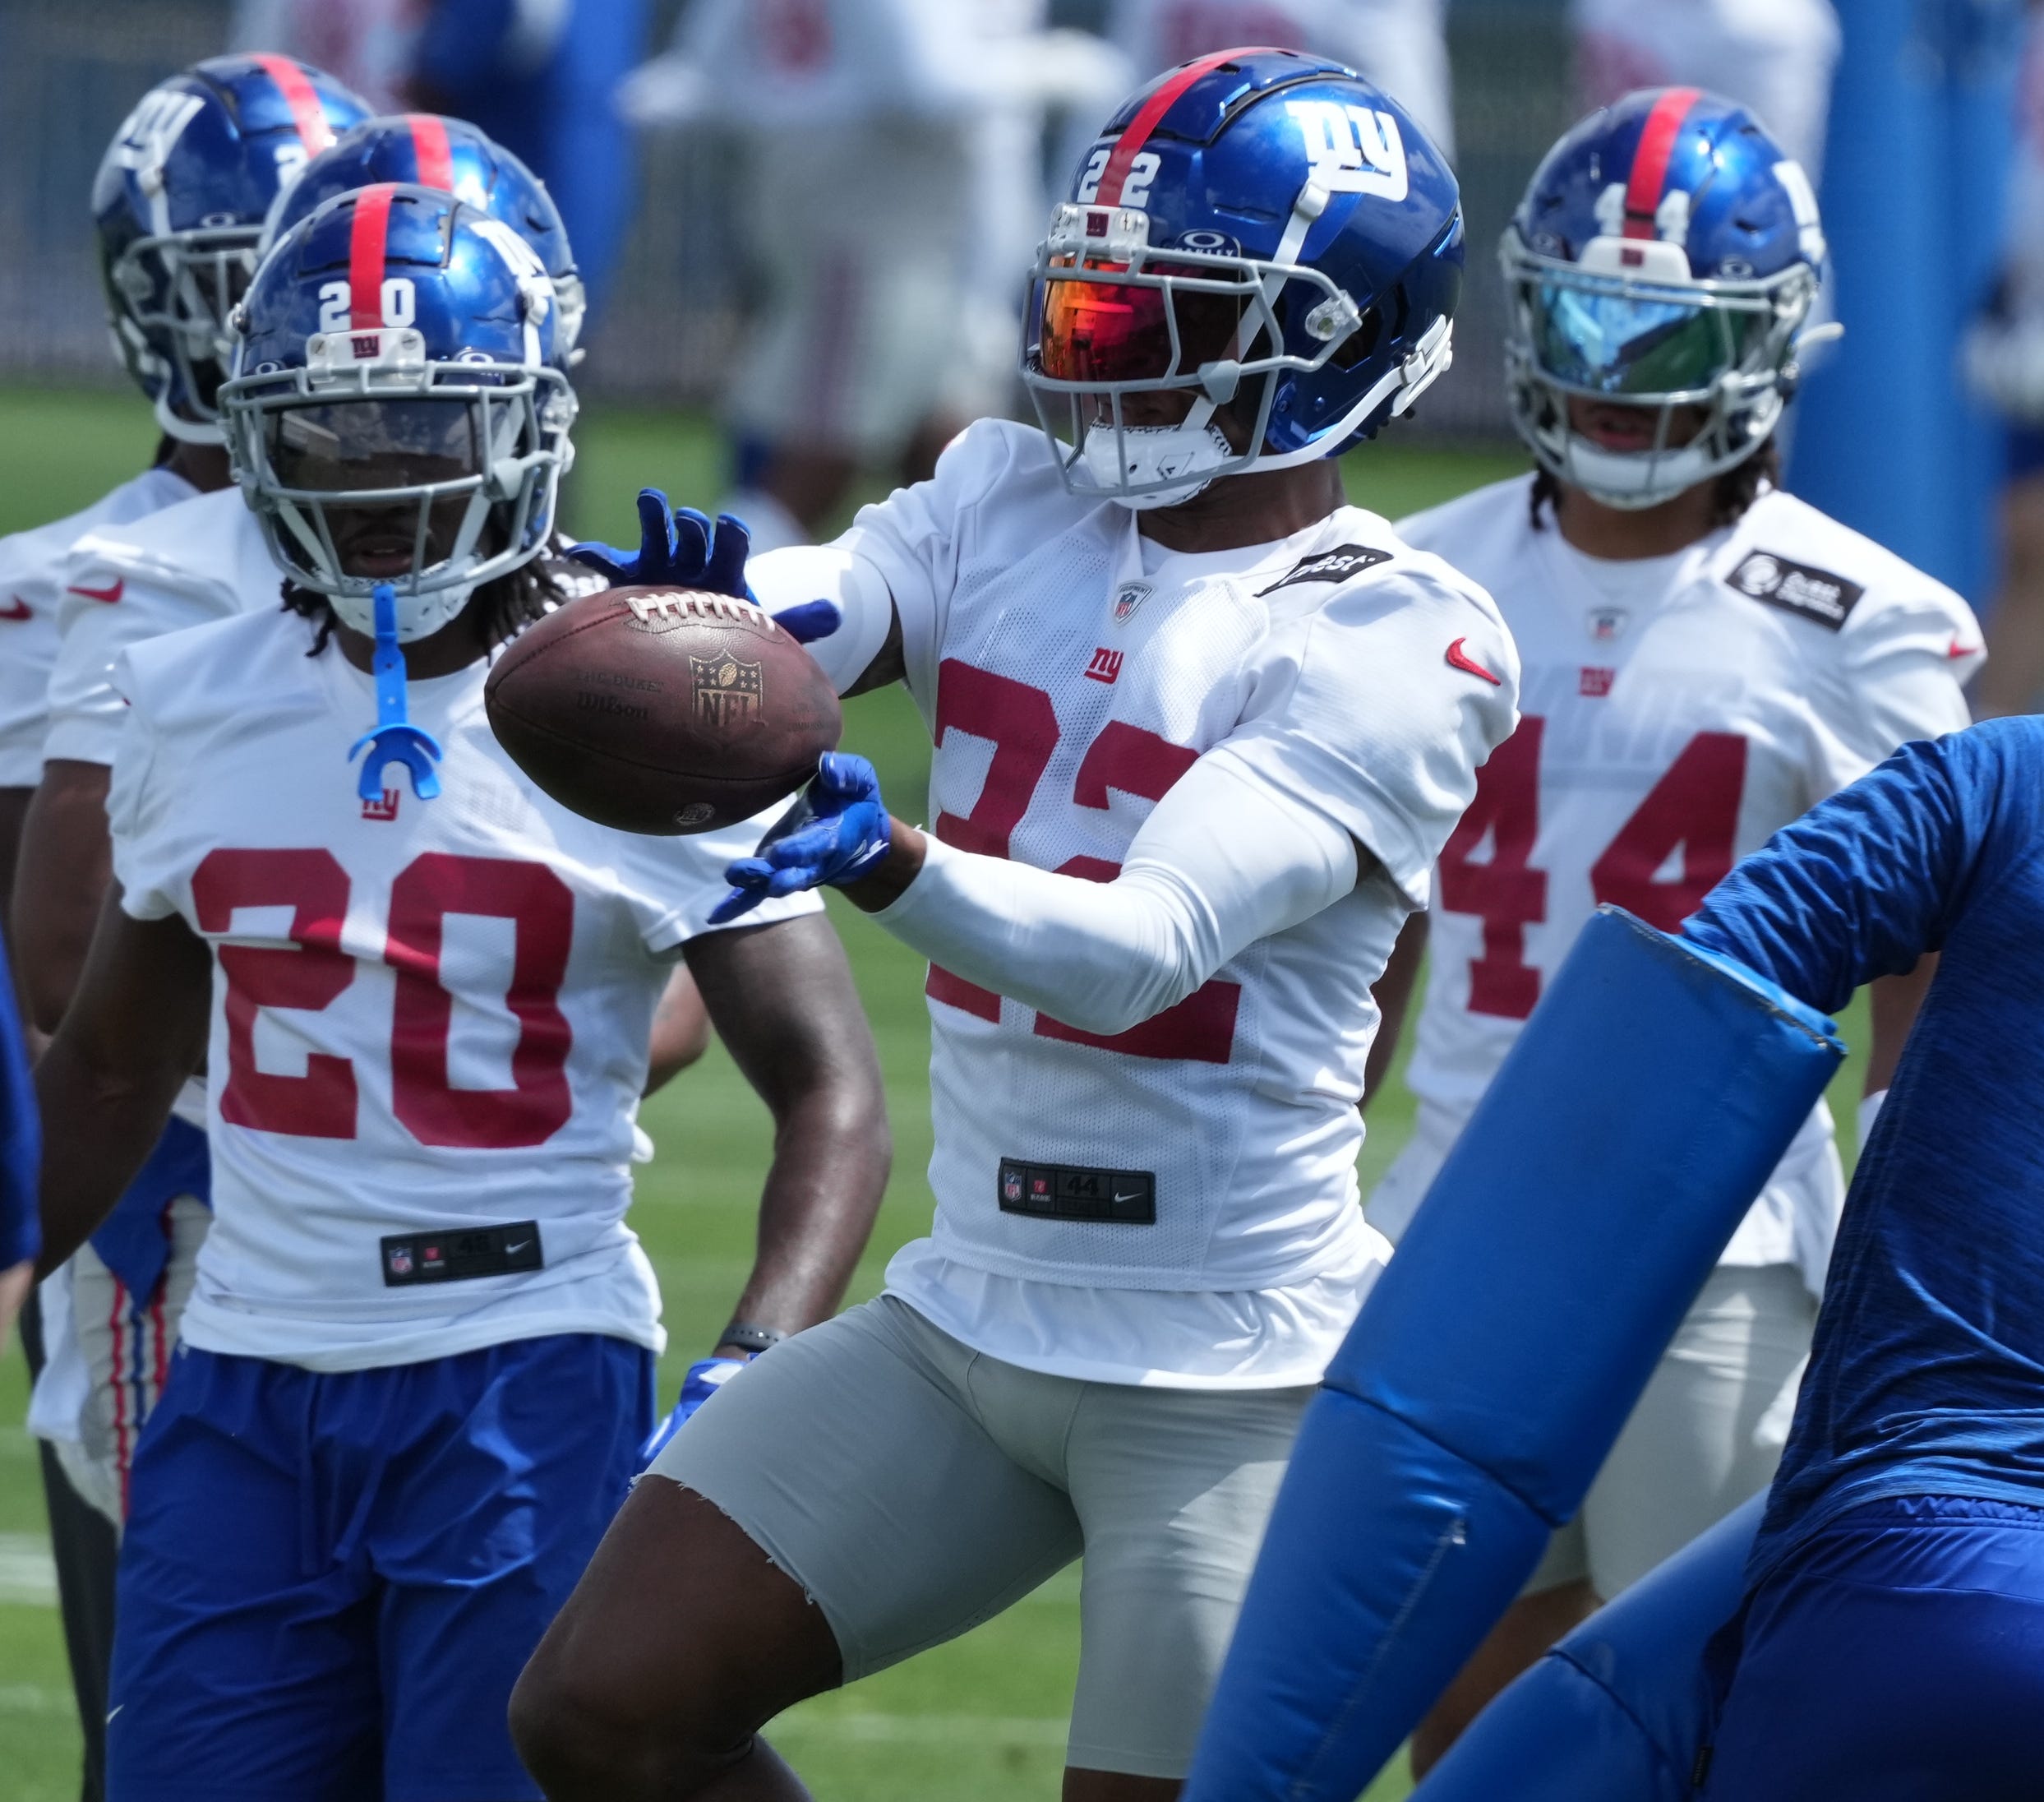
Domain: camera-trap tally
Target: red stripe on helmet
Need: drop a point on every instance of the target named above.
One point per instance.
(1139, 128)
(307, 114)
(368, 238)
(1650, 160)
(434, 153)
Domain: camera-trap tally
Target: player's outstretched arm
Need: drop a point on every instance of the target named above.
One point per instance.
(62, 876)
(781, 999)
(135, 1031)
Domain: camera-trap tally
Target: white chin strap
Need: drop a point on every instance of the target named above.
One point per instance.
(187, 431)
(1185, 457)
(419, 616)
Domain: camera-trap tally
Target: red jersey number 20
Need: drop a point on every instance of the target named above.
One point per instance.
(315, 972)
(1693, 809)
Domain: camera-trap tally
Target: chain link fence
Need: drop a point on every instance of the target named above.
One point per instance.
(70, 69)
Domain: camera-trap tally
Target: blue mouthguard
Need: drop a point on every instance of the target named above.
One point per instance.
(396, 740)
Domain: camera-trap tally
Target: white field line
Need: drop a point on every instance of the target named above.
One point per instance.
(27, 1573)
(35, 1698)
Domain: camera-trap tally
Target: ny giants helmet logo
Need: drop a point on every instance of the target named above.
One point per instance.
(1352, 149)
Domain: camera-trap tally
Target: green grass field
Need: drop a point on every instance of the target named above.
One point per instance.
(983, 1717)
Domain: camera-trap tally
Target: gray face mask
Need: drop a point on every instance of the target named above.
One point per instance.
(1141, 455)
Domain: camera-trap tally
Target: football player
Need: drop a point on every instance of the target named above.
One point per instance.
(415, 1371)
(1200, 729)
(1705, 657)
(177, 204)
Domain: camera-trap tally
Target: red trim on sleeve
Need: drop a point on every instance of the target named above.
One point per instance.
(1650, 160)
(303, 98)
(1144, 122)
(368, 239)
(430, 148)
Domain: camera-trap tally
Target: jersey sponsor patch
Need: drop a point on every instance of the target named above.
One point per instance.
(1796, 587)
(1061, 1192)
(1338, 565)
(459, 1254)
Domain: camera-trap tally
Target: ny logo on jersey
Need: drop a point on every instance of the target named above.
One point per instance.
(384, 809)
(1595, 682)
(1352, 149)
(1106, 665)
(726, 692)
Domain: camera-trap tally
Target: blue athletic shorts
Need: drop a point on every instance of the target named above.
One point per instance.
(1896, 1657)
(2024, 452)
(329, 1584)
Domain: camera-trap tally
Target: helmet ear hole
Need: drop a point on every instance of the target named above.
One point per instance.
(1361, 343)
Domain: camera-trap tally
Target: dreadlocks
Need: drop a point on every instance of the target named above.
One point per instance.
(1735, 490)
(508, 604)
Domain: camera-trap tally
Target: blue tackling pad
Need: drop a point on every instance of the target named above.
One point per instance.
(1642, 1109)
(1621, 1709)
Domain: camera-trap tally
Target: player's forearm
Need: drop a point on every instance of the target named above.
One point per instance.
(1393, 995)
(1893, 1004)
(1215, 868)
(99, 1123)
(832, 1155)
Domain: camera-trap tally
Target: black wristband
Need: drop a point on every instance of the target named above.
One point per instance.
(750, 1338)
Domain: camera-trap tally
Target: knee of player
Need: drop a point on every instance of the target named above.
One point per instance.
(581, 1736)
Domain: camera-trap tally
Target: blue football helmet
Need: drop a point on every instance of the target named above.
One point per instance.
(179, 202)
(398, 413)
(1262, 230)
(1666, 256)
(429, 150)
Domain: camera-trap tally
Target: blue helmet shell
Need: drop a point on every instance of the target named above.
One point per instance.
(430, 150)
(179, 202)
(1262, 157)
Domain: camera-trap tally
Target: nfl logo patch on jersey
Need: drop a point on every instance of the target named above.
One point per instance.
(399, 1258)
(1129, 597)
(1607, 624)
(1012, 1187)
(1797, 588)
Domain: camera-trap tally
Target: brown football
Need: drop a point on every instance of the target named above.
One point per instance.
(660, 710)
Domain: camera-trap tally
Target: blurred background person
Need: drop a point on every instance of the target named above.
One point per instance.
(2005, 366)
(1774, 57)
(539, 75)
(891, 195)
(1399, 44)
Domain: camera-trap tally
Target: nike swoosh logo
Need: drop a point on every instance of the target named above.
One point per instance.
(520, 1246)
(1459, 658)
(1119, 1199)
(1955, 650)
(16, 609)
(109, 595)
(113, 1710)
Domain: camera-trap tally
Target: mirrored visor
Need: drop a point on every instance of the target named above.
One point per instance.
(1103, 332)
(1619, 344)
(351, 445)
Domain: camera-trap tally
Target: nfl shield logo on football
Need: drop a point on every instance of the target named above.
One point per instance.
(1128, 598)
(400, 1260)
(1012, 1184)
(1607, 623)
(727, 692)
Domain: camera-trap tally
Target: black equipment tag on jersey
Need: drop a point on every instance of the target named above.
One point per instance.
(1796, 587)
(1334, 565)
(460, 1253)
(1058, 1192)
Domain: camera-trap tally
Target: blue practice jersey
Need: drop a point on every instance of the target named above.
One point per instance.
(1927, 1373)
(21, 1136)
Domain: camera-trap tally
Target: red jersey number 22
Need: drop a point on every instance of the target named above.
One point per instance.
(1694, 808)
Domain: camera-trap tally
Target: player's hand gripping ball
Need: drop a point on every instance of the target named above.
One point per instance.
(678, 547)
(835, 832)
(664, 711)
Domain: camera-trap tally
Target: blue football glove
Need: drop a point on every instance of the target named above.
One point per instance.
(678, 547)
(836, 832)
(705, 1378)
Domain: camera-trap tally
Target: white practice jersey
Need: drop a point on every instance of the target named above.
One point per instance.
(429, 1019)
(1774, 56)
(1070, 673)
(32, 580)
(1676, 712)
(203, 559)
(1399, 44)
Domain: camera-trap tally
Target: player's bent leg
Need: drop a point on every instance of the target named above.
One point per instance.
(1898, 1655)
(1173, 1488)
(837, 1506)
